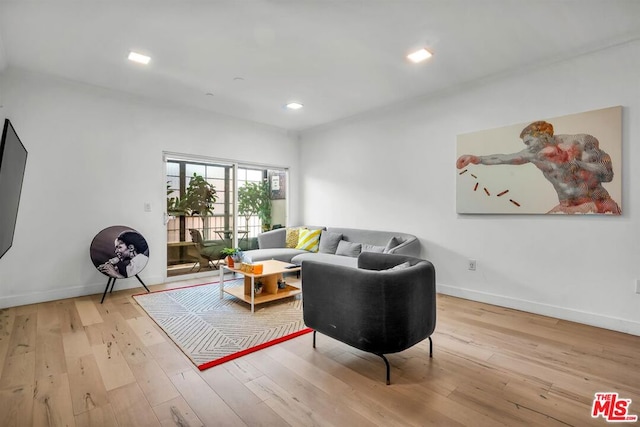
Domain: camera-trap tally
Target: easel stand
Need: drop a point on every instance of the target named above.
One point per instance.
(112, 282)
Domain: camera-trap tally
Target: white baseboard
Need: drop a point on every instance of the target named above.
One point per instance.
(592, 319)
(72, 292)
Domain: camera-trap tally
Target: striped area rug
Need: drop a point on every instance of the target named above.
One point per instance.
(211, 331)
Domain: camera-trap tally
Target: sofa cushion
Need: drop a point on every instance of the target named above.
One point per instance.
(325, 258)
(408, 243)
(292, 237)
(329, 242)
(349, 249)
(280, 254)
(309, 240)
(372, 248)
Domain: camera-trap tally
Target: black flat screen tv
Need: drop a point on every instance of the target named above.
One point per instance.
(13, 160)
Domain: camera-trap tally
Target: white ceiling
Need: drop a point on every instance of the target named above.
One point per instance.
(337, 57)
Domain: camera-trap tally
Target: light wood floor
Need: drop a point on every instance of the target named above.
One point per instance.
(77, 362)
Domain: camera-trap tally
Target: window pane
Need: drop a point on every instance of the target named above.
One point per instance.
(215, 172)
(197, 169)
(173, 168)
(254, 175)
(182, 255)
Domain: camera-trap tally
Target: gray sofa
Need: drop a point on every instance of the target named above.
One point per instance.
(272, 245)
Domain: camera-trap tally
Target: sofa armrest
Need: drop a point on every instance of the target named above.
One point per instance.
(381, 261)
(410, 247)
(272, 239)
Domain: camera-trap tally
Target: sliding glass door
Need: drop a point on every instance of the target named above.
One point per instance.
(216, 204)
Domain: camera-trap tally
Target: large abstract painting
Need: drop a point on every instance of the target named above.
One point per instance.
(563, 165)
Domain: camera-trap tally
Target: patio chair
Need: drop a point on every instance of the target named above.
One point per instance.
(207, 252)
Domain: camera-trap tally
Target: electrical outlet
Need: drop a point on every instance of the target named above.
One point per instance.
(638, 286)
(472, 264)
(147, 207)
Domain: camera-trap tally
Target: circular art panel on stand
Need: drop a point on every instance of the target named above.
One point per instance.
(119, 252)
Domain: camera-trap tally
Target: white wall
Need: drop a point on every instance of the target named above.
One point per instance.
(3, 57)
(95, 158)
(395, 170)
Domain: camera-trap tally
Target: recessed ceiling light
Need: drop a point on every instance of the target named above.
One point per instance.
(419, 55)
(294, 106)
(139, 58)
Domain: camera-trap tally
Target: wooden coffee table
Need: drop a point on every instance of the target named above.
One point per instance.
(272, 271)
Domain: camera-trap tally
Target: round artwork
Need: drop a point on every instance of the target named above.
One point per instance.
(119, 252)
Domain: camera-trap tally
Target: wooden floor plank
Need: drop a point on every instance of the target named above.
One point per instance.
(16, 406)
(87, 311)
(97, 417)
(491, 366)
(131, 408)
(87, 389)
(170, 358)
(146, 330)
(19, 370)
(23, 335)
(207, 405)
(282, 402)
(7, 318)
(242, 369)
(154, 383)
(176, 413)
(113, 367)
(70, 320)
(118, 330)
(238, 397)
(329, 402)
(50, 358)
(52, 402)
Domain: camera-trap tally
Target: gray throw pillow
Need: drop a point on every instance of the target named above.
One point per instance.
(329, 242)
(372, 248)
(402, 266)
(393, 242)
(348, 248)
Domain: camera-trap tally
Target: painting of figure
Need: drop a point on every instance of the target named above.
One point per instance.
(567, 165)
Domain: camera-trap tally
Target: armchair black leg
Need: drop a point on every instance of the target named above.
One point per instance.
(430, 347)
(314, 339)
(386, 362)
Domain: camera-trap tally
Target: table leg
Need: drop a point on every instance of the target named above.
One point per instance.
(222, 282)
(253, 293)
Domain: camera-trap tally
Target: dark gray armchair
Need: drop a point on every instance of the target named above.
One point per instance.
(371, 308)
